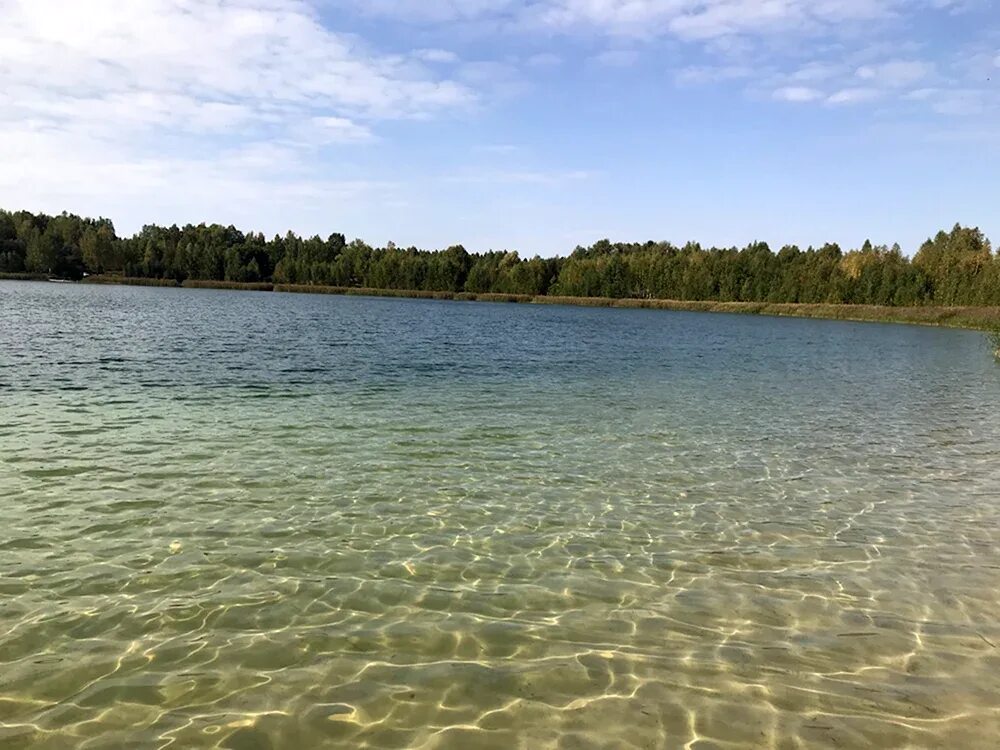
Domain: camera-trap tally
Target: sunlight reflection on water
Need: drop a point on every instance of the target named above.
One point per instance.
(269, 521)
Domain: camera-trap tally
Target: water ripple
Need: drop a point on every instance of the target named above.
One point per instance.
(238, 521)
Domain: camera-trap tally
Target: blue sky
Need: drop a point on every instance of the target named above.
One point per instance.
(533, 125)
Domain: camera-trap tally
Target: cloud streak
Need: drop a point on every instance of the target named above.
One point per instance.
(687, 19)
(100, 94)
(797, 94)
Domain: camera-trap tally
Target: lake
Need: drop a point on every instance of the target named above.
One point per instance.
(248, 520)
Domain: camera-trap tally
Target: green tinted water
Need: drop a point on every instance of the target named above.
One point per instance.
(272, 521)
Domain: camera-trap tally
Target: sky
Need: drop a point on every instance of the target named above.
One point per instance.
(529, 125)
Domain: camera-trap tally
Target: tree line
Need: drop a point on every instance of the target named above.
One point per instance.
(956, 267)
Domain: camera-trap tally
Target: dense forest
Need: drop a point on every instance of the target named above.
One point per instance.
(952, 268)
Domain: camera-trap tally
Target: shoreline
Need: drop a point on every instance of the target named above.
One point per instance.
(966, 317)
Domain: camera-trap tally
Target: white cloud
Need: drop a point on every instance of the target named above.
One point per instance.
(436, 56)
(824, 51)
(836, 83)
(723, 19)
(252, 185)
(996, 61)
(708, 19)
(690, 19)
(257, 50)
(113, 113)
(797, 94)
(322, 130)
(703, 74)
(817, 72)
(842, 81)
(194, 95)
(853, 95)
(496, 81)
(895, 73)
(956, 7)
(955, 101)
(429, 11)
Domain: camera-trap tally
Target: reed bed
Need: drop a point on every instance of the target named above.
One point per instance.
(13, 276)
(499, 297)
(367, 291)
(981, 318)
(245, 286)
(127, 280)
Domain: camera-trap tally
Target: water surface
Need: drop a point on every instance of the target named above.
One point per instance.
(277, 521)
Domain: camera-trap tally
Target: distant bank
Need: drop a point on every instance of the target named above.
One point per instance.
(985, 318)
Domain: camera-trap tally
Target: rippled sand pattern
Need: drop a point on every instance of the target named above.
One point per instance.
(275, 521)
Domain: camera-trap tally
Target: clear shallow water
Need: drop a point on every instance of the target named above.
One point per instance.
(270, 521)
